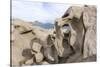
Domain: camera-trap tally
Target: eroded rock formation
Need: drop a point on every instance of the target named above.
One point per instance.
(73, 39)
(82, 21)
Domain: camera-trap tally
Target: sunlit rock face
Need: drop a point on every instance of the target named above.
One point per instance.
(82, 21)
(19, 40)
(31, 45)
(62, 39)
(73, 39)
(89, 17)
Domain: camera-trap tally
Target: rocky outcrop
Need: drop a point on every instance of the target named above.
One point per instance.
(29, 43)
(89, 17)
(82, 21)
(19, 41)
(73, 39)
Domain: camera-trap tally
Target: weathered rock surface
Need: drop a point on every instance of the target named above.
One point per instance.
(20, 41)
(36, 47)
(24, 47)
(82, 20)
(44, 63)
(39, 57)
(21, 25)
(72, 40)
(89, 17)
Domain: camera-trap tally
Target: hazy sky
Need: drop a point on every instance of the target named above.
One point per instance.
(41, 11)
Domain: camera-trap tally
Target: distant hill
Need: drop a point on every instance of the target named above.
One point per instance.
(43, 25)
(36, 23)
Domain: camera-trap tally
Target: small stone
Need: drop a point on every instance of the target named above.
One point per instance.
(39, 57)
(45, 63)
(29, 62)
(36, 47)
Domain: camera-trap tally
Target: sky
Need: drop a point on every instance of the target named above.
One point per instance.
(37, 11)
